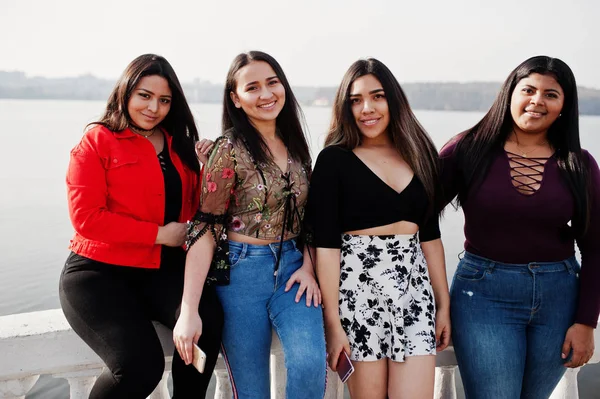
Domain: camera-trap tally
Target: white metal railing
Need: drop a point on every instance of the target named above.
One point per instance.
(42, 343)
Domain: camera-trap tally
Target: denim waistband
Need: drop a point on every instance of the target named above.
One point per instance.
(568, 264)
(253, 249)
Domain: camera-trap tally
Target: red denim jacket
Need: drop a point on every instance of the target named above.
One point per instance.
(116, 197)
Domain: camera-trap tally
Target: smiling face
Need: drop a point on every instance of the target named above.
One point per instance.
(150, 102)
(536, 103)
(369, 107)
(259, 93)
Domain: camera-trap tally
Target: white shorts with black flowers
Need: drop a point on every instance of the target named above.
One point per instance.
(386, 301)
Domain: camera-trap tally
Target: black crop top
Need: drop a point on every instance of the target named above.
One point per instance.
(346, 195)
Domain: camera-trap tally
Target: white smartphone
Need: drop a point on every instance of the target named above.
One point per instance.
(199, 359)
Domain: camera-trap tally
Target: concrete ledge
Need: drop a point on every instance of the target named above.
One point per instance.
(38, 343)
(44, 343)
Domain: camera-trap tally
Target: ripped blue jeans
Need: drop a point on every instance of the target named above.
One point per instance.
(508, 325)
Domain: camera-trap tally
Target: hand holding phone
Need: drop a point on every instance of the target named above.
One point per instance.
(344, 366)
(199, 359)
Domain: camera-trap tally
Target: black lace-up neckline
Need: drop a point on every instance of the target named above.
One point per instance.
(526, 173)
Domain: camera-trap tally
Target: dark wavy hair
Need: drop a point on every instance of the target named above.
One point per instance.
(290, 120)
(179, 122)
(408, 136)
(476, 145)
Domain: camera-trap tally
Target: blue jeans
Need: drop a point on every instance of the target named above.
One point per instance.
(508, 325)
(254, 303)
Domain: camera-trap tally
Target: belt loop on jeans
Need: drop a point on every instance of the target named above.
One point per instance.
(568, 263)
(491, 266)
(244, 250)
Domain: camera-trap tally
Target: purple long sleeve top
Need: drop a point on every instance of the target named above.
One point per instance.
(508, 226)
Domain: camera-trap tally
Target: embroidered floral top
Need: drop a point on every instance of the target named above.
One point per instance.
(247, 198)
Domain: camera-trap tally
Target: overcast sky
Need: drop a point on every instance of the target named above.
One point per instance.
(315, 41)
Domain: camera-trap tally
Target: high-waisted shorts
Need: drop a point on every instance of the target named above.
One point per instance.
(387, 308)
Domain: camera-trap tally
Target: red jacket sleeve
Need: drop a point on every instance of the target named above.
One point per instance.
(87, 198)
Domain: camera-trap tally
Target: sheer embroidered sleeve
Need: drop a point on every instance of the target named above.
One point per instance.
(218, 185)
(589, 278)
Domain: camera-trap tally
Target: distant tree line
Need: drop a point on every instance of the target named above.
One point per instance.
(473, 96)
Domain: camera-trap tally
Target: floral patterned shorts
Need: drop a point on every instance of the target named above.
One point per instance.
(386, 301)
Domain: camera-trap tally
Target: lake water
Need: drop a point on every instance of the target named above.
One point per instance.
(36, 137)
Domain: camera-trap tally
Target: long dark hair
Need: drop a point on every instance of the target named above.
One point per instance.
(476, 145)
(408, 136)
(289, 121)
(179, 122)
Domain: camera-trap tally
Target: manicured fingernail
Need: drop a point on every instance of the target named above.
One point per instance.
(563, 355)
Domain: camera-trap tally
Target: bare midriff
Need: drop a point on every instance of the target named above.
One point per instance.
(397, 228)
(237, 237)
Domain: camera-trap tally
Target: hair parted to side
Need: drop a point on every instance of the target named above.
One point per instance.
(290, 120)
(179, 122)
(475, 146)
(408, 136)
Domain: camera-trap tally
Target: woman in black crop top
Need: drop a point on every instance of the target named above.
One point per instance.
(373, 189)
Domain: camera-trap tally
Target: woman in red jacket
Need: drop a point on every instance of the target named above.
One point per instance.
(132, 184)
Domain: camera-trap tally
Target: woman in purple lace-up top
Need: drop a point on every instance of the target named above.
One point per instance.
(522, 308)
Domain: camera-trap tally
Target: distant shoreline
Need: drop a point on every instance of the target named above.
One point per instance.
(431, 96)
(218, 103)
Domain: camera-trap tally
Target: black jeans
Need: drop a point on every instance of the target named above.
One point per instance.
(112, 308)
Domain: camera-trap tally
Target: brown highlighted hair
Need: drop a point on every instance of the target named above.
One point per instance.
(407, 135)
